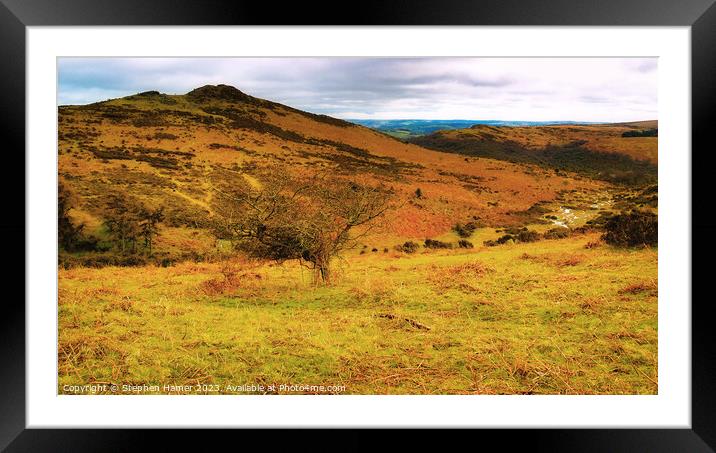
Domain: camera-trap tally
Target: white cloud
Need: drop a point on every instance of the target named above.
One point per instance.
(538, 89)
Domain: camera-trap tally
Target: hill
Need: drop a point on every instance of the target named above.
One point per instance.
(605, 151)
(171, 150)
(405, 129)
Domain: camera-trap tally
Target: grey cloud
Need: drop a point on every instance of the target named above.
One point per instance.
(438, 88)
(595, 99)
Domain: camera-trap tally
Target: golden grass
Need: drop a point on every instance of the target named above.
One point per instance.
(549, 317)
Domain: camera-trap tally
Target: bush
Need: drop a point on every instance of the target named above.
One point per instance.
(98, 260)
(515, 235)
(513, 230)
(408, 247)
(528, 236)
(499, 241)
(433, 244)
(164, 136)
(505, 239)
(601, 220)
(557, 233)
(633, 229)
(466, 230)
(643, 133)
(464, 244)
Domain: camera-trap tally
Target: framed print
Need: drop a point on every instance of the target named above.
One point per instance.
(481, 217)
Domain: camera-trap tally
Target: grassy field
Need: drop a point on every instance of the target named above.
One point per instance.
(550, 317)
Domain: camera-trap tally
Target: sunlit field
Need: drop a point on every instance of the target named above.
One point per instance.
(567, 316)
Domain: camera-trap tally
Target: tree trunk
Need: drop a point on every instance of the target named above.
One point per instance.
(322, 272)
(325, 274)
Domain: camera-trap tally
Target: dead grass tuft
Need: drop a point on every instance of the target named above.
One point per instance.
(589, 304)
(572, 260)
(411, 322)
(236, 276)
(471, 269)
(593, 244)
(124, 303)
(372, 291)
(462, 276)
(73, 352)
(637, 337)
(651, 288)
(101, 293)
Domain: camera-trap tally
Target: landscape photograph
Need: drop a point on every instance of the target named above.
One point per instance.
(357, 226)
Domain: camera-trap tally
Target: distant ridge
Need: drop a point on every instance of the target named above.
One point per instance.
(409, 128)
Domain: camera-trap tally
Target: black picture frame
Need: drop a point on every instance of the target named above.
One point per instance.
(16, 15)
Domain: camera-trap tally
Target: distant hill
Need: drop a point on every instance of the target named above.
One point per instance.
(405, 129)
(604, 151)
(650, 124)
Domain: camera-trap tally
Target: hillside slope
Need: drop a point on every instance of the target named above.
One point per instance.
(601, 138)
(622, 153)
(171, 150)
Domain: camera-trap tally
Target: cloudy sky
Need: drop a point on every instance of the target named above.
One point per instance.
(529, 89)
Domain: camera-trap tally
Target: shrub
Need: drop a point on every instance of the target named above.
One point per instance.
(164, 136)
(99, 260)
(557, 233)
(505, 239)
(601, 220)
(528, 236)
(514, 230)
(465, 244)
(408, 247)
(466, 230)
(516, 235)
(501, 240)
(434, 244)
(633, 229)
(418, 193)
(69, 235)
(643, 133)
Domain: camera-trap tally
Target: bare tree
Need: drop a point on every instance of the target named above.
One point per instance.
(312, 221)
